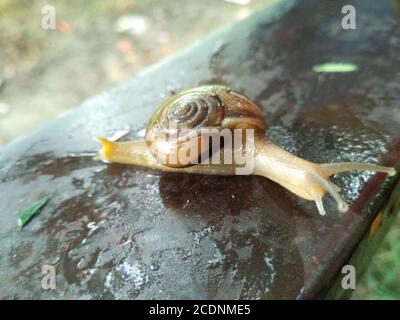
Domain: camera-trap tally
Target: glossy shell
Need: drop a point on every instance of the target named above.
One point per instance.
(180, 122)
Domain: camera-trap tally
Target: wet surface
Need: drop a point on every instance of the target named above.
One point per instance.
(115, 231)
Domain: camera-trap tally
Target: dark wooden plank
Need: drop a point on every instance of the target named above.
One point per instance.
(115, 231)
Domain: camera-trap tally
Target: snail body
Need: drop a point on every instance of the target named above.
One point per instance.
(180, 136)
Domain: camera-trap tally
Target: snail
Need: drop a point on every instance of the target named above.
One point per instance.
(177, 127)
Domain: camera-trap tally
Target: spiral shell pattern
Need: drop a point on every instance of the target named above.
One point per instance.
(177, 124)
(194, 109)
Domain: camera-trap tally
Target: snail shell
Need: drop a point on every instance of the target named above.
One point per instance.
(176, 127)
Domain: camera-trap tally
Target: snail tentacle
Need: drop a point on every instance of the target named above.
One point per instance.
(333, 168)
(320, 206)
(331, 189)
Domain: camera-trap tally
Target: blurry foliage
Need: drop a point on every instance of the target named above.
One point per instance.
(99, 43)
(22, 39)
(382, 280)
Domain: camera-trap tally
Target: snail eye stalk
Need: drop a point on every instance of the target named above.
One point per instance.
(333, 168)
(332, 190)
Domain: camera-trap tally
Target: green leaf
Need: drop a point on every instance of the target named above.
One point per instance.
(335, 67)
(32, 211)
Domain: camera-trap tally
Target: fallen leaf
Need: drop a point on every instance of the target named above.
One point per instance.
(26, 215)
(335, 67)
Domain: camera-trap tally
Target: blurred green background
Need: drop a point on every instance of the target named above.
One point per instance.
(98, 44)
(382, 278)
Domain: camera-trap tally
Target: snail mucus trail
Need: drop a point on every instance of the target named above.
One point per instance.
(176, 127)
